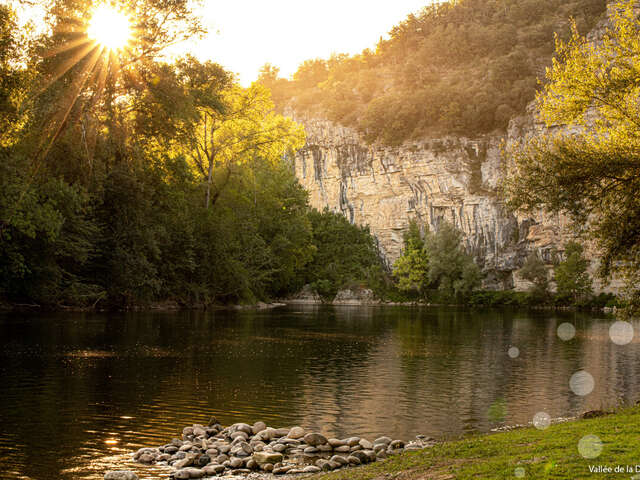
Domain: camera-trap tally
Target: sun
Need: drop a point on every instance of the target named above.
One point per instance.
(109, 27)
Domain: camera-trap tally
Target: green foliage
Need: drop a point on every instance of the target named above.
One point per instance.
(452, 271)
(502, 298)
(571, 275)
(589, 170)
(535, 271)
(463, 67)
(437, 267)
(46, 241)
(345, 254)
(412, 268)
(12, 78)
(513, 299)
(101, 198)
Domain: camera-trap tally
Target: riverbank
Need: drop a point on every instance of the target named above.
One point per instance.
(599, 445)
(559, 451)
(359, 296)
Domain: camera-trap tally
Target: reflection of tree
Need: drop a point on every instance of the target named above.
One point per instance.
(168, 371)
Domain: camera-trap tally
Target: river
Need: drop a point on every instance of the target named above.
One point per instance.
(78, 391)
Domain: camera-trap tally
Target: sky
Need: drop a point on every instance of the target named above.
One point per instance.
(246, 34)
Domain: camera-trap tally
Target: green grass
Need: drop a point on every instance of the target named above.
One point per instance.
(550, 453)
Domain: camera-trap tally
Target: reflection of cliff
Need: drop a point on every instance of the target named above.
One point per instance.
(438, 372)
(452, 178)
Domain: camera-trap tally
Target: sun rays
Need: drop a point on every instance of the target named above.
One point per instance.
(105, 41)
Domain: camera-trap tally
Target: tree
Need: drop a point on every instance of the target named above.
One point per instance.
(412, 268)
(13, 79)
(452, 270)
(311, 72)
(535, 271)
(590, 170)
(430, 76)
(571, 275)
(99, 200)
(168, 110)
(345, 254)
(245, 128)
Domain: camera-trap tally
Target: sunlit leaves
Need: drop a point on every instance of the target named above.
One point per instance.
(245, 128)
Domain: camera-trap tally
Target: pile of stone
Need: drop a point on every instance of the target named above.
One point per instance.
(207, 451)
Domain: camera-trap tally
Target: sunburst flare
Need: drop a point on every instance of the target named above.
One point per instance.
(109, 27)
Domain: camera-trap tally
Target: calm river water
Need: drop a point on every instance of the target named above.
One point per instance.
(79, 391)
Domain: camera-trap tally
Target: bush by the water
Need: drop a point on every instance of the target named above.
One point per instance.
(343, 254)
(436, 267)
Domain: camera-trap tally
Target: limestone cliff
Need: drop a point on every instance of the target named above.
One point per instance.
(452, 178)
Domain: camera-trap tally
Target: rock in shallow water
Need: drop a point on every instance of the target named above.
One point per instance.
(352, 441)
(213, 469)
(314, 439)
(267, 457)
(366, 444)
(296, 432)
(384, 440)
(120, 475)
(311, 469)
(334, 442)
(340, 460)
(258, 427)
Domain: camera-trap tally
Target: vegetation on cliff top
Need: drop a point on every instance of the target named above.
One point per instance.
(463, 67)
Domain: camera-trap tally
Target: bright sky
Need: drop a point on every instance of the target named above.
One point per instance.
(246, 34)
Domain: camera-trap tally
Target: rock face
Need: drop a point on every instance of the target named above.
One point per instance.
(354, 296)
(452, 179)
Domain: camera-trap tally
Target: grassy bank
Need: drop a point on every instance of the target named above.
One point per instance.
(550, 453)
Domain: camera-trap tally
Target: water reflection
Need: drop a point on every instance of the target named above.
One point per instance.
(82, 390)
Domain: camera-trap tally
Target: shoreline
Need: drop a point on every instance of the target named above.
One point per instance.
(568, 447)
(164, 307)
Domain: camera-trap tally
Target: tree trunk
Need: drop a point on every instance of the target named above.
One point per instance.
(209, 179)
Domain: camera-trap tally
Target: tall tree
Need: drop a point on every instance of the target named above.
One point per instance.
(244, 129)
(412, 268)
(571, 274)
(451, 269)
(535, 271)
(83, 79)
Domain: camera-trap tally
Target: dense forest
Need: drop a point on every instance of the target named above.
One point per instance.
(126, 179)
(463, 67)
